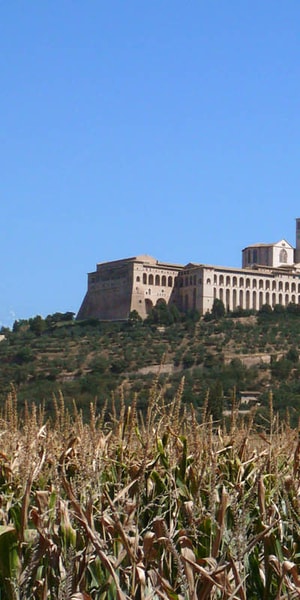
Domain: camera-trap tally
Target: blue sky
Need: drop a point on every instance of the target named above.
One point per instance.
(160, 127)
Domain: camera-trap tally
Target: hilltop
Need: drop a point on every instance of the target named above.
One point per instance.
(88, 361)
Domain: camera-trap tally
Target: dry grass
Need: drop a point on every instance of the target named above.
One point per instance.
(164, 507)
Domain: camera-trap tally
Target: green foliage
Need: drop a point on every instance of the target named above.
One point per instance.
(218, 309)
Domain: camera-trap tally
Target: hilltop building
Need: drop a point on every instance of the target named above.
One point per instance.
(270, 274)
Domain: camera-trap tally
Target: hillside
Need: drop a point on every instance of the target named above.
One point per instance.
(94, 361)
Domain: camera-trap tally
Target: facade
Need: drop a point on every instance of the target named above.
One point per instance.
(270, 275)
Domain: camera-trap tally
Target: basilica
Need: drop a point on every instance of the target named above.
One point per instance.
(270, 274)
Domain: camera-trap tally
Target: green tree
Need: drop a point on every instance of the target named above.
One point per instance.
(37, 325)
(218, 309)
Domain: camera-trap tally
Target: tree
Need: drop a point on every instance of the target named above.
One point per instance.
(37, 325)
(218, 309)
(216, 401)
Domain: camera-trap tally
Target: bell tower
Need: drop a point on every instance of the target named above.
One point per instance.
(297, 250)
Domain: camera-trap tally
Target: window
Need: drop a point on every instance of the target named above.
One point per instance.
(170, 281)
(144, 277)
(283, 256)
(138, 278)
(164, 280)
(157, 280)
(150, 279)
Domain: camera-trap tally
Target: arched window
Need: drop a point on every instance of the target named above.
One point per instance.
(241, 299)
(274, 284)
(287, 286)
(283, 256)
(247, 299)
(261, 284)
(150, 279)
(254, 283)
(234, 281)
(157, 280)
(241, 281)
(221, 280)
(170, 281)
(247, 285)
(227, 280)
(164, 280)
(138, 278)
(234, 299)
(144, 277)
(293, 288)
(254, 300)
(227, 299)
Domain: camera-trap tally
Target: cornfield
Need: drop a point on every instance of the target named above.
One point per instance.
(165, 507)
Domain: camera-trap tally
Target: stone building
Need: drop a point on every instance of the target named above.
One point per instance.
(118, 287)
(270, 275)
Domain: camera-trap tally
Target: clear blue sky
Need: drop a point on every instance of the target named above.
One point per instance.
(160, 127)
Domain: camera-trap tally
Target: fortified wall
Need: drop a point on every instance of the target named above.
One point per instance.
(118, 287)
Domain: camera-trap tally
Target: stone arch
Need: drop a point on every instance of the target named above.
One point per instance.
(241, 303)
(254, 300)
(248, 299)
(227, 299)
(161, 301)
(234, 299)
(148, 306)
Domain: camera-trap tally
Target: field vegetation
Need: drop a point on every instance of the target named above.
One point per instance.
(222, 354)
(161, 506)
